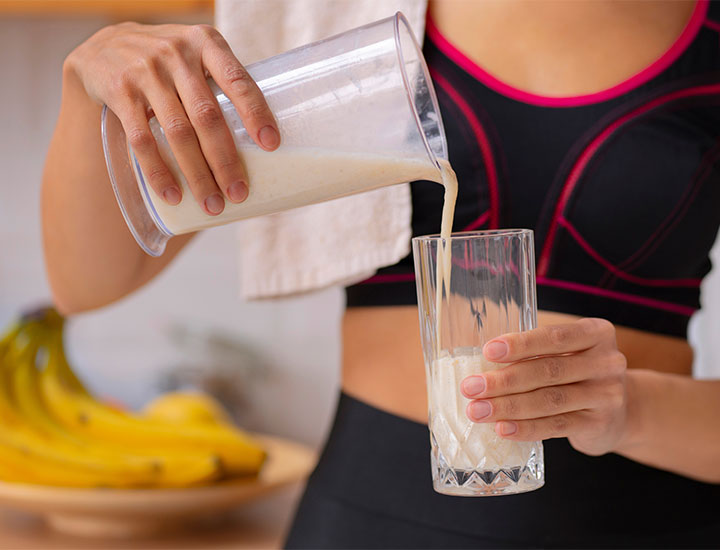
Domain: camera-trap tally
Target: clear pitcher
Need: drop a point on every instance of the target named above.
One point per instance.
(356, 111)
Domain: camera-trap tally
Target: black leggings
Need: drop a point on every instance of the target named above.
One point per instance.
(372, 489)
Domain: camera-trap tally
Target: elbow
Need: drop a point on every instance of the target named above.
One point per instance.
(68, 301)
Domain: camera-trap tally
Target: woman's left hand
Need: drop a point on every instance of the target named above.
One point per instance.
(561, 381)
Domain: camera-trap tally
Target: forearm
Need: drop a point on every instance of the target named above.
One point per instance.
(91, 257)
(673, 424)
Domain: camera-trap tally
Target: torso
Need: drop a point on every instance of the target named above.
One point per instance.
(383, 362)
(548, 48)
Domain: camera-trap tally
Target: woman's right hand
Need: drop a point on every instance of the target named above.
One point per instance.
(143, 70)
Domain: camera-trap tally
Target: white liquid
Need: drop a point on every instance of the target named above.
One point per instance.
(464, 444)
(287, 178)
(444, 253)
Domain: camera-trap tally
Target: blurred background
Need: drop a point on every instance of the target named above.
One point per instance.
(275, 363)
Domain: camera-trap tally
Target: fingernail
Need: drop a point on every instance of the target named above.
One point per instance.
(474, 385)
(172, 196)
(214, 204)
(479, 410)
(238, 192)
(507, 428)
(495, 350)
(269, 137)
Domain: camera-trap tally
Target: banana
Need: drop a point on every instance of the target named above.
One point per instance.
(31, 442)
(74, 407)
(53, 432)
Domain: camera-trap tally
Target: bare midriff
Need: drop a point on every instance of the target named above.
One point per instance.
(382, 354)
(383, 363)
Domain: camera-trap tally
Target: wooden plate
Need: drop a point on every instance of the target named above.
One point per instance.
(140, 512)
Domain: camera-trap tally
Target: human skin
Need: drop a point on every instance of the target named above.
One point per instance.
(607, 388)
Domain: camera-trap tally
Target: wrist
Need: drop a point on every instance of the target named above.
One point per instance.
(639, 388)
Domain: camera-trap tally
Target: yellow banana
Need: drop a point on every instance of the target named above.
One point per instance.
(80, 412)
(31, 442)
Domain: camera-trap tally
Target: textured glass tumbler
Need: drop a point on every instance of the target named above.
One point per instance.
(491, 292)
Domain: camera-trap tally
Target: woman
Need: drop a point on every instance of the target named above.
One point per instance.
(595, 124)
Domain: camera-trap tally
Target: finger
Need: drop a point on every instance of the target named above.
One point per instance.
(185, 146)
(213, 134)
(532, 374)
(140, 139)
(551, 340)
(538, 403)
(242, 90)
(538, 429)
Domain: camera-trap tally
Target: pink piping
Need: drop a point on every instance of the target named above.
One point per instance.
(619, 273)
(591, 149)
(483, 142)
(623, 297)
(663, 62)
(677, 213)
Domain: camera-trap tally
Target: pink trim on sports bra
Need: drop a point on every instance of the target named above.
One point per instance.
(663, 62)
(588, 153)
(644, 281)
(614, 294)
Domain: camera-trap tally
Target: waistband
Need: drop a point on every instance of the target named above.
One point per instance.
(381, 462)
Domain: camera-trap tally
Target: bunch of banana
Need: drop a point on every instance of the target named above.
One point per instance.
(54, 432)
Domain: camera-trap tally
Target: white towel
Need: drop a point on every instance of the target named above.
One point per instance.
(337, 242)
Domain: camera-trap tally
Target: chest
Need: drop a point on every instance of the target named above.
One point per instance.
(562, 48)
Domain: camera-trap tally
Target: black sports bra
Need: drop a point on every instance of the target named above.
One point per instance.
(621, 187)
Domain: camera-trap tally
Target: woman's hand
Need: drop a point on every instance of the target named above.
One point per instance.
(561, 381)
(143, 70)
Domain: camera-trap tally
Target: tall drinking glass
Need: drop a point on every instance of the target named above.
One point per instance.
(491, 292)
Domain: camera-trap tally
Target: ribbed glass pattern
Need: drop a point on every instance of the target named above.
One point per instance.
(491, 292)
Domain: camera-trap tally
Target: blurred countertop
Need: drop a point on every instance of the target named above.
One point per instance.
(257, 525)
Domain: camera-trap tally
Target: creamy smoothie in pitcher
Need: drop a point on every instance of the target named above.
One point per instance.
(286, 178)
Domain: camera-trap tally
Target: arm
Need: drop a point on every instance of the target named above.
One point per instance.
(673, 424)
(571, 381)
(136, 70)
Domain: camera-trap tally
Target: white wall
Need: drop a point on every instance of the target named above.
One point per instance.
(121, 349)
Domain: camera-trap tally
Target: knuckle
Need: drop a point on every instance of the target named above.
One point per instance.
(559, 424)
(601, 326)
(228, 161)
(552, 369)
(555, 399)
(239, 79)
(256, 109)
(146, 64)
(140, 139)
(206, 112)
(179, 129)
(122, 82)
(508, 407)
(617, 363)
(557, 335)
(158, 173)
(499, 381)
(169, 46)
(202, 181)
(203, 30)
